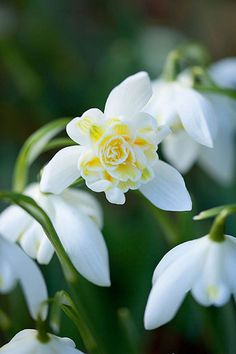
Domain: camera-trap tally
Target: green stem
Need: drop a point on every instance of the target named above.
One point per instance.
(209, 213)
(216, 90)
(130, 330)
(217, 232)
(58, 144)
(42, 336)
(172, 66)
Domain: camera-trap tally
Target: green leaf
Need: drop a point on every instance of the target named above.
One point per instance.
(32, 148)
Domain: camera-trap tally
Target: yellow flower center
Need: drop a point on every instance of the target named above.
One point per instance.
(113, 150)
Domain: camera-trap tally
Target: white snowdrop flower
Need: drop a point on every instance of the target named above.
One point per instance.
(77, 218)
(117, 151)
(224, 72)
(183, 150)
(202, 266)
(181, 107)
(27, 342)
(16, 266)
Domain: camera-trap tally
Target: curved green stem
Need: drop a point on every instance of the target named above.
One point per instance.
(32, 148)
(217, 231)
(209, 213)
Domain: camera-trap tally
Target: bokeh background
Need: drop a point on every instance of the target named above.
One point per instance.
(61, 57)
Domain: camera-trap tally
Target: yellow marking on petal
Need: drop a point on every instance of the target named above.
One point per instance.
(84, 125)
(125, 186)
(146, 175)
(108, 177)
(112, 121)
(121, 129)
(141, 142)
(93, 164)
(96, 132)
(213, 292)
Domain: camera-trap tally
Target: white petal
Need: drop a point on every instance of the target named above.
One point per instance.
(219, 162)
(224, 72)
(130, 96)
(76, 134)
(29, 276)
(45, 251)
(62, 170)
(230, 263)
(84, 243)
(162, 103)
(171, 287)
(99, 186)
(7, 277)
(173, 255)
(197, 115)
(211, 287)
(167, 190)
(115, 195)
(13, 222)
(181, 150)
(86, 203)
(31, 239)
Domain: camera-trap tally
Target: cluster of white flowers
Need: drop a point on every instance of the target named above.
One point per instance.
(116, 151)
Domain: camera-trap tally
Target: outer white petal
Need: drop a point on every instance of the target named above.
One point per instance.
(29, 276)
(31, 239)
(173, 255)
(211, 287)
(197, 115)
(26, 342)
(171, 287)
(162, 103)
(219, 162)
(45, 251)
(13, 222)
(115, 195)
(230, 263)
(129, 97)
(84, 243)
(62, 170)
(223, 72)
(181, 150)
(84, 202)
(7, 276)
(167, 189)
(75, 133)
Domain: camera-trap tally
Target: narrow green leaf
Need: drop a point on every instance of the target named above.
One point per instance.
(32, 148)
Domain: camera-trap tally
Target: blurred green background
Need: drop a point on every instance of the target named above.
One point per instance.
(61, 57)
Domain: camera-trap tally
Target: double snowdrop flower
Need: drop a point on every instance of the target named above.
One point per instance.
(202, 124)
(16, 266)
(27, 342)
(202, 266)
(77, 218)
(117, 151)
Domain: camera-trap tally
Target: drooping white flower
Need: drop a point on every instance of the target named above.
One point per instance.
(16, 266)
(202, 266)
(181, 148)
(77, 218)
(27, 342)
(224, 72)
(117, 151)
(181, 107)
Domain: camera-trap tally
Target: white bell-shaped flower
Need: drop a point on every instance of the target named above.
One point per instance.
(16, 266)
(181, 107)
(224, 72)
(27, 342)
(202, 266)
(181, 148)
(117, 151)
(77, 218)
